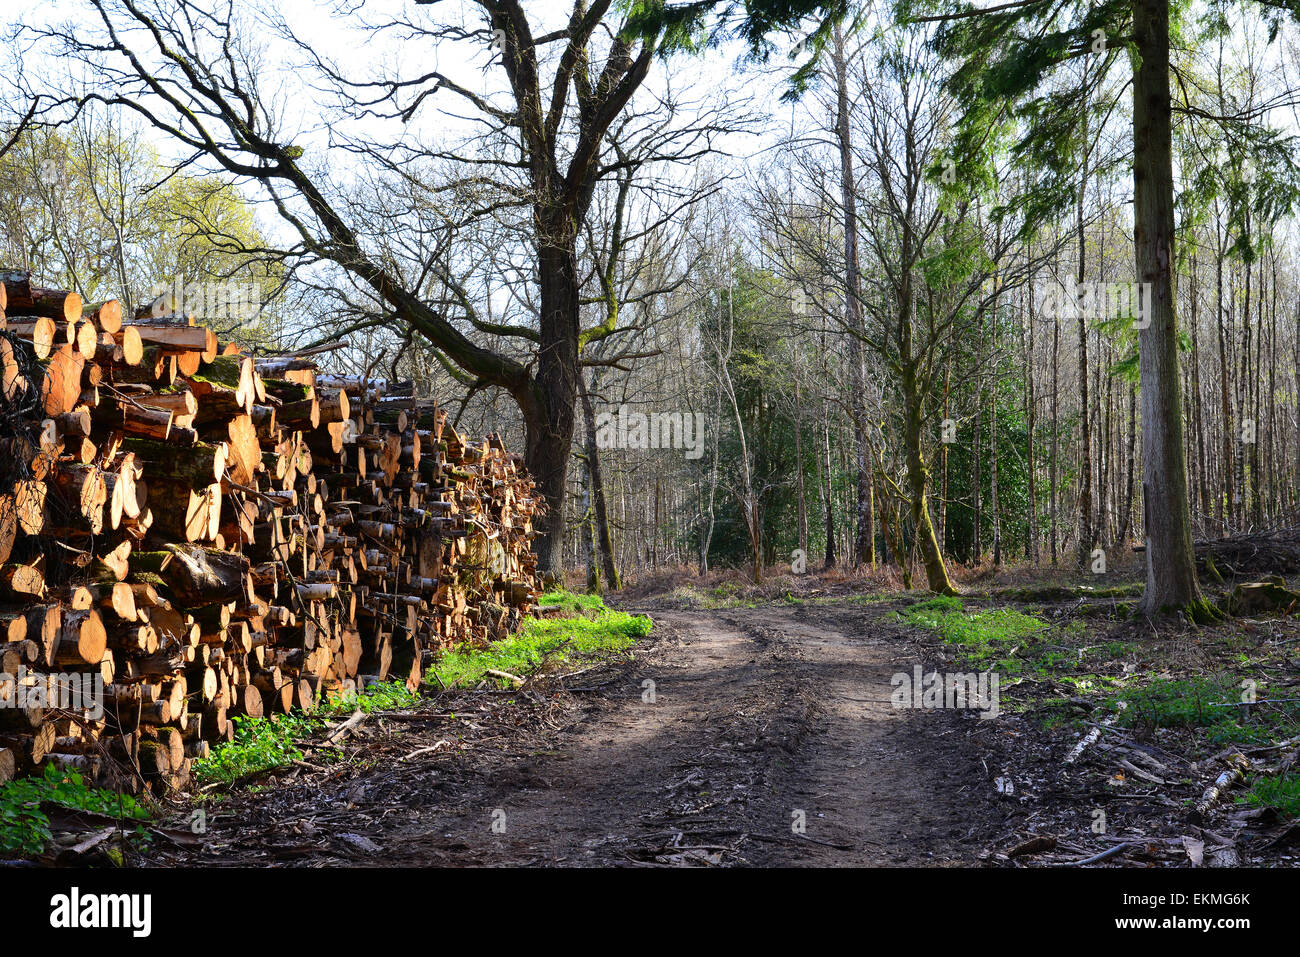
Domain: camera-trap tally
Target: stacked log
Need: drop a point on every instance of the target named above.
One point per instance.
(215, 535)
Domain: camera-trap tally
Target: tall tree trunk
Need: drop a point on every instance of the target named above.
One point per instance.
(977, 478)
(1130, 458)
(1256, 484)
(1198, 407)
(1054, 472)
(864, 551)
(943, 457)
(587, 532)
(1086, 535)
(1031, 413)
(1243, 405)
(918, 479)
(550, 423)
(1271, 431)
(827, 491)
(1223, 503)
(1171, 567)
(993, 471)
(801, 492)
(604, 540)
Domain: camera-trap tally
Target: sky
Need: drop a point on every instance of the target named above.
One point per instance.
(333, 29)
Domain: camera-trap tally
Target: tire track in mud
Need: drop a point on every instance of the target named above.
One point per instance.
(760, 719)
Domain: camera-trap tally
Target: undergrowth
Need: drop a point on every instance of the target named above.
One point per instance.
(25, 827)
(1281, 792)
(262, 744)
(1209, 705)
(589, 629)
(593, 631)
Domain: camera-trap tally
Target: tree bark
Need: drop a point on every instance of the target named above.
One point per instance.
(1086, 533)
(604, 541)
(827, 491)
(1031, 414)
(1171, 568)
(918, 478)
(550, 420)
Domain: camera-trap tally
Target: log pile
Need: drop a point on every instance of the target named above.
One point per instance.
(1249, 554)
(212, 535)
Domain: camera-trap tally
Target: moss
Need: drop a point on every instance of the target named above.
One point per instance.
(223, 371)
(1203, 612)
(981, 635)
(1059, 593)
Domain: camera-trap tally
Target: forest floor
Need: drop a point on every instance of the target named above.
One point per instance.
(755, 726)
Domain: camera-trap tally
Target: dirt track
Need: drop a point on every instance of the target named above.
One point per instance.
(760, 717)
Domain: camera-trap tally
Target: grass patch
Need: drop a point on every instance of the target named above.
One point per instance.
(710, 599)
(1107, 651)
(262, 744)
(1205, 705)
(24, 827)
(571, 602)
(982, 634)
(392, 696)
(790, 598)
(1281, 792)
(1059, 593)
(1182, 703)
(598, 632)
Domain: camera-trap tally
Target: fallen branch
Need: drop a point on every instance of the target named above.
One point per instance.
(419, 751)
(1222, 784)
(1111, 852)
(347, 726)
(1090, 738)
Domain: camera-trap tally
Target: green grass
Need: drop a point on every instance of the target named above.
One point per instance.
(597, 631)
(1183, 703)
(1204, 704)
(789, 598)
(710, 599)
(393, 696)
(24, 827)
(982, 635)
(1281, 792)
(1108, 650)
(262, 744)
(1059, 593)
(572, 602)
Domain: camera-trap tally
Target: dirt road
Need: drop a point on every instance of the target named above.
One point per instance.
(737, 737)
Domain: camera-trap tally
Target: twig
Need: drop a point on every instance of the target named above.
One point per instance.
(419, 751)
(1095, 858)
